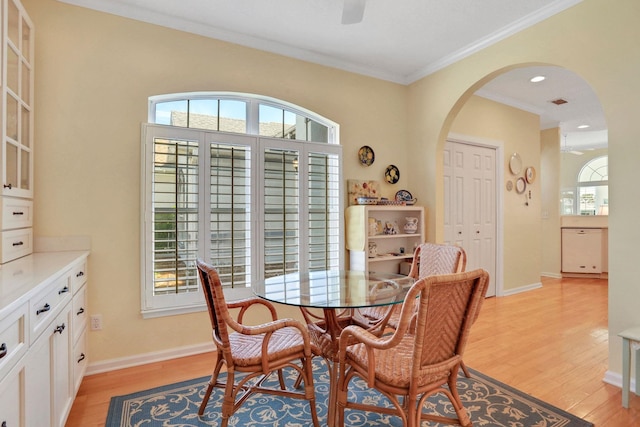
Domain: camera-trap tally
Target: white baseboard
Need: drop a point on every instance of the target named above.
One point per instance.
(143, 359)
(552, 275)
(614, 378)
(521, 289)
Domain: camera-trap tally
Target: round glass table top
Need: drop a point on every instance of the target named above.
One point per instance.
(335, 289)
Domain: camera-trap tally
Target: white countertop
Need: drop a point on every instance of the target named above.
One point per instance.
(24, 277)
(584, 221)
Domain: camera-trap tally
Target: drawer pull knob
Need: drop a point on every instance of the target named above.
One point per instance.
(80, 311)
(9, 186)
(18, 213)
(81, 358)
(63, 290)
(59, 329)
(44, 309)
(3, 350)
(80, 274)
(20, 243)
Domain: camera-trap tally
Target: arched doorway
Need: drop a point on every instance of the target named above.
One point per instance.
(528, 233)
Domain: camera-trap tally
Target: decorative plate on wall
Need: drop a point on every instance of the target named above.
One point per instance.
(366, 155)
(530, 174)
(509, 185)
(392, 174)
(515, 164)
(521, 185)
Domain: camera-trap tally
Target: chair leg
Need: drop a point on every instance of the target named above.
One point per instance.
(281, 379)
(461, 412)
(205, 399)
(212, 382)
(309, 390)
(465, 370)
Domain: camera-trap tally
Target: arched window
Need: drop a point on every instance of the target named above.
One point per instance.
(593, 187)
(249, 183)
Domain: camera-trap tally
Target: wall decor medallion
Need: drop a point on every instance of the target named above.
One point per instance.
(509, 185)
(521, 185)
(366, 155)
(530, 174)
(392, 174)
(515, 164)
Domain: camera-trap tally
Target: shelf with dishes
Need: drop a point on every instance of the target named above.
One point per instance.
(384, 236)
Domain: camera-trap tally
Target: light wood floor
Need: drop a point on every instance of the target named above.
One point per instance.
(551, 343)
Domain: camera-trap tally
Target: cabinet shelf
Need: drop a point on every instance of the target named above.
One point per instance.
(358, 219)
(380, 258)
(391, 236)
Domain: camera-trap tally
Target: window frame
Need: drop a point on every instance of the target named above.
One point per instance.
(162, 305)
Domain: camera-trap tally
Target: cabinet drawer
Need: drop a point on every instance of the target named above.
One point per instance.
(78, 276)
(16, 213)
(16, 244)
(80, 314)
(43, 311)
(13, 338)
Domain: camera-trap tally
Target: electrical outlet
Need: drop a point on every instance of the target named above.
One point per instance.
(96, 322)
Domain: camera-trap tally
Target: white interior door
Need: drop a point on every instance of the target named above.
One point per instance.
(470, 178)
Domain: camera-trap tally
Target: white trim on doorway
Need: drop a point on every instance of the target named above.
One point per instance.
(499, 147)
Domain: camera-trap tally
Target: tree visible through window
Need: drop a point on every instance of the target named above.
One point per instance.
(250, 184)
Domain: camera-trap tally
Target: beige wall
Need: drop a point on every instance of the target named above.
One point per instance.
(94, 74)
(516, 131)
(596, 41)
(550, 165)
(95, 71)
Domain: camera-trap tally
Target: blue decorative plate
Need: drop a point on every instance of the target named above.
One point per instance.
(392, 174)
(366, 155)
(404, 196)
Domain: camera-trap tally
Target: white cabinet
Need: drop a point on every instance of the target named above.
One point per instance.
(13, 345)
(582, 250)
(42, 328)
(79, 322)
(16, 114)
(391, 248)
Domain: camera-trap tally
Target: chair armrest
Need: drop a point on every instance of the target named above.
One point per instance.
(415, 264)
(246, 303)
(269, 328)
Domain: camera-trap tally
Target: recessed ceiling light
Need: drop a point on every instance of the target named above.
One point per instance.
(537, 79)
(583, 126)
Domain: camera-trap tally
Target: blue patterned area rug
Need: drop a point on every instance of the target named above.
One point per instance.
(488, 402)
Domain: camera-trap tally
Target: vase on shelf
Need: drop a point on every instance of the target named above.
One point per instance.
(411, 225)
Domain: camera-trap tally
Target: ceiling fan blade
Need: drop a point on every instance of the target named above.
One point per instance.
(353, 11)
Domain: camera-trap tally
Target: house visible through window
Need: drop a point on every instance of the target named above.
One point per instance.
(249, 183)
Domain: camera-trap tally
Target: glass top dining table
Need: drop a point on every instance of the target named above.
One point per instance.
(334, 289)
(339, 294)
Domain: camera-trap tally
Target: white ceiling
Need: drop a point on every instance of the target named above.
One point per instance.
(398, 40)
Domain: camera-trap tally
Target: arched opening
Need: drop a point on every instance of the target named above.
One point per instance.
(529, 124)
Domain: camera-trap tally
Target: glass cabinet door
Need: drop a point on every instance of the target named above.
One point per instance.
(17, 105)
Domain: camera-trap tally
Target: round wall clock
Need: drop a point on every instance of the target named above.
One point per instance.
(392, 174)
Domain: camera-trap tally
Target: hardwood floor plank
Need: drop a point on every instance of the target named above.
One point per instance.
(550, 342)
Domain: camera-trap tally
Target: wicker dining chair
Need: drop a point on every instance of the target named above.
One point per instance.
(428, 259)
(255, 351)
(406, 367)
